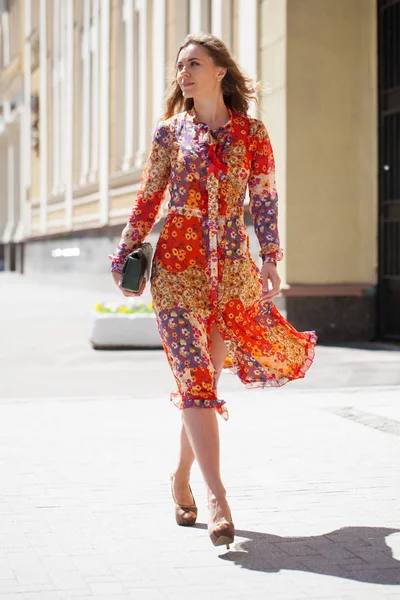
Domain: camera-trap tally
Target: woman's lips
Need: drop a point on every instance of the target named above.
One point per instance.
(185, 85)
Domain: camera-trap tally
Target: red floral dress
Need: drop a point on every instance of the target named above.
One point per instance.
(202, 269)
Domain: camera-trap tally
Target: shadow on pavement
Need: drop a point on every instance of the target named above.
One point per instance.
(377, 346)
(357, 553)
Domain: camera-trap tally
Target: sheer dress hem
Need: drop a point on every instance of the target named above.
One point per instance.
(272, 381)
(182, 403)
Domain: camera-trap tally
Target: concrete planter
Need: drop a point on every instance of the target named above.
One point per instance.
(123, 331)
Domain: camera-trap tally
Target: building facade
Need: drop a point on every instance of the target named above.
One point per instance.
(81, 89)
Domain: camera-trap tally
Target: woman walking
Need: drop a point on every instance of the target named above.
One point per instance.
(213, 305)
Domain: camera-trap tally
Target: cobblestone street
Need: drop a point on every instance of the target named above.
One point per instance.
(89, 438)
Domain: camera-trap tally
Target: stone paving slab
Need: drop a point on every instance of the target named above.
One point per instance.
(86, 509)
(87, 446)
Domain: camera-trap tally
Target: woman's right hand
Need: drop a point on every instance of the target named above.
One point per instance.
(118, 280)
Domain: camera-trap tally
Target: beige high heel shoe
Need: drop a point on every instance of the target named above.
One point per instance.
(182, 510)
(223, 534)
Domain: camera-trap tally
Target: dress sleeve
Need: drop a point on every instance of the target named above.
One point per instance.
(263, 195)
(149, 198)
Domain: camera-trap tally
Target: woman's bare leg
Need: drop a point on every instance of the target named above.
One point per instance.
(186, 455)
(182, 473)
(203, 435)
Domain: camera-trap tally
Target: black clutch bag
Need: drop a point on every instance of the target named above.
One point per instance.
(136, 267)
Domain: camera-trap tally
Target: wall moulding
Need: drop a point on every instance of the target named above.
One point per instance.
(82, 225)
(84, 211)
(57, 216)
(85, 190)
(126, 189)
(329, 289)
(58, 224)
(122, 202)
(120, 213)
(86, 200)
(124, 178)
(55, 206)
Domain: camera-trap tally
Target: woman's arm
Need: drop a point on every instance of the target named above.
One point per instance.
(149, 198)
(263, 196)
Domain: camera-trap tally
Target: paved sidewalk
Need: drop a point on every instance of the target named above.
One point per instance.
(87, 445)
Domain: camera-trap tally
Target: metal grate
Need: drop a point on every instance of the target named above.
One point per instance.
(389, 168)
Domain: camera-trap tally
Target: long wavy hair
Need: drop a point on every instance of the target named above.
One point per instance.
(237, 89)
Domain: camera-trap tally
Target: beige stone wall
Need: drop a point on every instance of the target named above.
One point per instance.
(35, 224)
(122, 201)
(272, 34)
(331, 141)
(56, 215)
(89, 208)
(92, 224)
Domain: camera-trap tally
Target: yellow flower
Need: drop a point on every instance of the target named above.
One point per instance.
(122, 309)
(98, 306)
(150, 306)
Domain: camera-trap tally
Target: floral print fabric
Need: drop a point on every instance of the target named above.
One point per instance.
(202, 270)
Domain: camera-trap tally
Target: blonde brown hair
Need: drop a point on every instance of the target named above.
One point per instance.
(237, 89)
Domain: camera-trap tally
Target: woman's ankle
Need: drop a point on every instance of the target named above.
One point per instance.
(181, 474)
(219, 511)
(217, 494)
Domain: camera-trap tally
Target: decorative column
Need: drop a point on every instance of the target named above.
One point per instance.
(69, 110)
(85, 93)
(130, 77)
(10, 188)
(94, 43)
(248, 42)
(62, 107)
(25, 149)
(104, 95)
(221, 20)
(199, 16)
(27, 94)
(142, 84)
(56, 143)
(9, 178)
(43, 116)
(19, 186)
(6, 37)
(159, 58)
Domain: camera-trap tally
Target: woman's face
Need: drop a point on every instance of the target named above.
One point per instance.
(197, 75)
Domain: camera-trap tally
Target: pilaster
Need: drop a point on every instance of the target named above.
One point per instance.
(104, 95)
(159, 58)
(43, 116)
(94, 47)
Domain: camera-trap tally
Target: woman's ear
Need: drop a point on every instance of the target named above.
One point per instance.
(221, 74)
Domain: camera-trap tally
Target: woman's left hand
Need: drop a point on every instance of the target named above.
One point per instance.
(269, 273)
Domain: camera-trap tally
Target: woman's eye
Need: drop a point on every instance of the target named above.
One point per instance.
(192, 64)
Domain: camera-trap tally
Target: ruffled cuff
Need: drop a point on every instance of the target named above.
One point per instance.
(115, 265)
(272, 257)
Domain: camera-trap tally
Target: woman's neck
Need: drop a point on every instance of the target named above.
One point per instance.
(212, 112)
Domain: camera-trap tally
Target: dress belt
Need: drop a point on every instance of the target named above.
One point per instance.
(196, 212)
